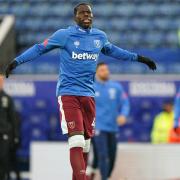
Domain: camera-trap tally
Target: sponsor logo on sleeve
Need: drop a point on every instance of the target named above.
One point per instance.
(45, 43)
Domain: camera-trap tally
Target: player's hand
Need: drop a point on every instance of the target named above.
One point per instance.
(151, 64)
(10, 67)
(121, 120)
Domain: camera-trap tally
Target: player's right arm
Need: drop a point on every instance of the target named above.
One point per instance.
(57, 40)
(124, 107)
(177, 110)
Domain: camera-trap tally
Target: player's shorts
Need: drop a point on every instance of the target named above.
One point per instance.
(77, 114)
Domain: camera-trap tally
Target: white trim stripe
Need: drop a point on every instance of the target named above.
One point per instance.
(63, 120)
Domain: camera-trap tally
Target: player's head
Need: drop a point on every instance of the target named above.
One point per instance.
(83, 15)
(1, 82)
(168, 106)
(102, 71)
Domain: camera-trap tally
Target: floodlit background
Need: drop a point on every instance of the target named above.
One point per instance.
(150, 28)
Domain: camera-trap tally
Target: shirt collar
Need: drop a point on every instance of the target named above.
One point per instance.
(101, 82)
(80, 29)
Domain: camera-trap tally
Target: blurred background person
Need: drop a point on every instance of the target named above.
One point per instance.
(163, 124)
(175, 132)
(177, 110)
(14, 163)
(8, 130)
(112, 109)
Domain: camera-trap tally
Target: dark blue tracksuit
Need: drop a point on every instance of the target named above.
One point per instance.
(111, 101)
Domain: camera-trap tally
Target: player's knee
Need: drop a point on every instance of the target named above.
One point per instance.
(86, 148)
(76, 141)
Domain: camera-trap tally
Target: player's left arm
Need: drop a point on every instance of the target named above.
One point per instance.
(111, 50)
(124, 107)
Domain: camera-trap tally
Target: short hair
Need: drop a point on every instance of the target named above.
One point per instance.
(76, 7)
(100, 64)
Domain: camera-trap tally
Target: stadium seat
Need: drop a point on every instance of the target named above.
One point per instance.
(104, 9)
(38, 16)
(124, 10)
(147, 9)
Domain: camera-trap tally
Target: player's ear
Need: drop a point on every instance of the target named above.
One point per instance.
(75, 18)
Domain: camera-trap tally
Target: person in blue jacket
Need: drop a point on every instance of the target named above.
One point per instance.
(177, 110)
(112, 109)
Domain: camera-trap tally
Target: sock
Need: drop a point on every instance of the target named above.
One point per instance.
(85, 156)
(73, 177)
(77, 163)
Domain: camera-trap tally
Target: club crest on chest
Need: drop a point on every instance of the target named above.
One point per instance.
(97, 43)
(112, 93)
(76, 43)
